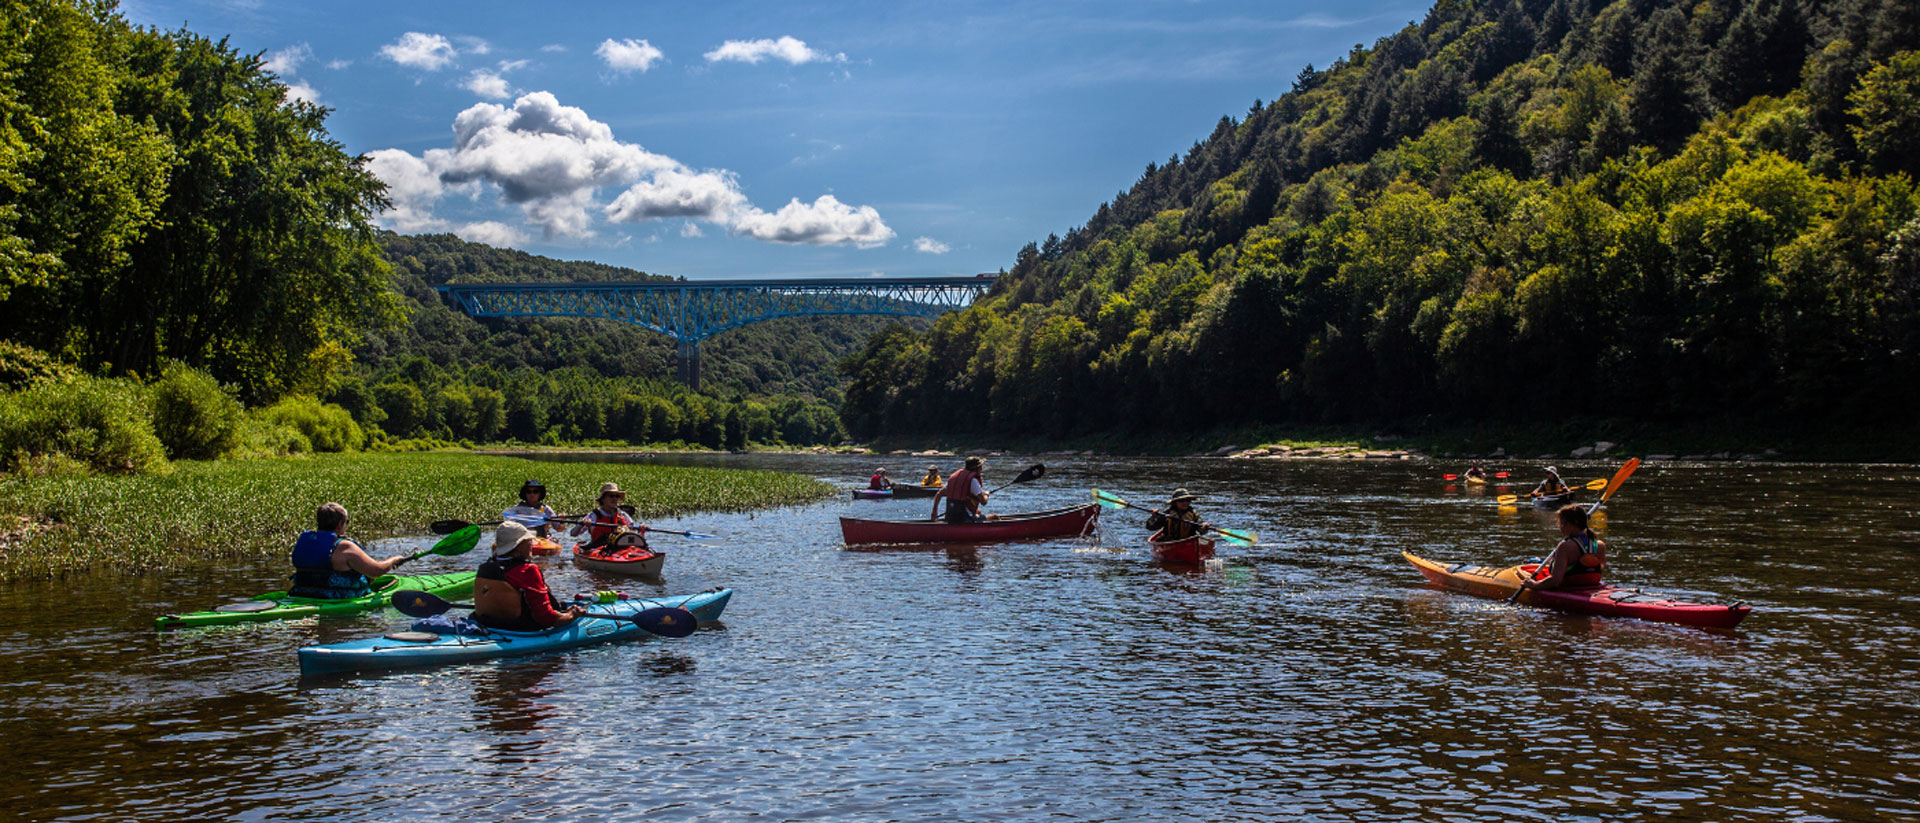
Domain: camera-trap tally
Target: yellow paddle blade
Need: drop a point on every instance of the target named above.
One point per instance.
(1597, 484)
(1507, 499)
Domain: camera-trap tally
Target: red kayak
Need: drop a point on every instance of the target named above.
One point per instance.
(1499, 583)
(1189, 552)
(624, 556)
(1068, 522)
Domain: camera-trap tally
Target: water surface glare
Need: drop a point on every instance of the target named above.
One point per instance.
(1311, 677)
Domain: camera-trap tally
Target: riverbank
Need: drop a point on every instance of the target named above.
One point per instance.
(204, 512)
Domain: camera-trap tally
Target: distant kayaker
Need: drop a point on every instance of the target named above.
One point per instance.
(1179, 521)
(1552, 486)
(1578, 561)
(533, 504)
(963, 494)
(879, 481)
(1475, 471)
(510, 593)
(603, 522)
(932, 478)
(327, 566)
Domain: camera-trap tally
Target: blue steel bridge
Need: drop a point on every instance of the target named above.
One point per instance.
(690, 311)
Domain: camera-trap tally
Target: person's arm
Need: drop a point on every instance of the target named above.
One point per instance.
(1156, 521)
(978, 491)
(526, 577)
(357, 560)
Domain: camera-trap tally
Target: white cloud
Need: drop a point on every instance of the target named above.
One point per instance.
(929, 245)
(513, 65)
(492, 233)
(429, 52)
(552, 161)
(786, 48)
(824, 222)
(553, 47)
(303, 92)
(628, 55)
(286, 61)
(486, 84)
(337, 65)
(473, 45)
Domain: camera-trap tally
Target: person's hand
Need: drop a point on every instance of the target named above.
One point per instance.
(576, 610)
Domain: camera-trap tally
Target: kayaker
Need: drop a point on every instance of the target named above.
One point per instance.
(1475, 471)
(1551, 486)
(601, 523)
(1179, 521)
(963, 493)
(932, 478)
(1578, 561)
(879, 481)
(533, 504)
(327, 566)
(510, 593)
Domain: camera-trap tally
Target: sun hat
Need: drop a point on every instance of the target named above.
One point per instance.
(1181, 494)
(532, 486)
(610, 488)
(975, 464)
(509, 535)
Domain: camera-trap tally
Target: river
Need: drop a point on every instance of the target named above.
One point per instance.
(1311, 677)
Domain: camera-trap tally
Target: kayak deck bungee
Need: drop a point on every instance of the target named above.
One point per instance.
(409, 649)
(1071, 521)
(281, 606)
(1499, 583)
(1189, 552)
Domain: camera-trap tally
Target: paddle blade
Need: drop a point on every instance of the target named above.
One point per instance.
(1108, 500)
(1033, 472)
(460, 542)
(1596, 484)
(1619, 478)
(419, 604)
(1449, 477)
(1501, 474)
(1507, 499)
(1237, 537)
(448, 526)
(667, 622)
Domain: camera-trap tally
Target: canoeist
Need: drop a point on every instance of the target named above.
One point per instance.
(1552, 486)
(964, 494)
(533, 504)
(1178, 521)
(510, 593)
(1578, 561)
(932, 478)
(879, 481)
(603, 522)
(327, 566)
(1474, 471)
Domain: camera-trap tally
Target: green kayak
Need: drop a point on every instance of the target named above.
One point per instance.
(278, 606)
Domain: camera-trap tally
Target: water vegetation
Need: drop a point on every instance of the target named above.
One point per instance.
(204, 512)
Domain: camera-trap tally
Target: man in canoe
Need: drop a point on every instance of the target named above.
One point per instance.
(533, 505)
(1551, 486)
(932, 478)
(1578, 561)
(964, 494)
(327, 566)
(510, 593)
(603, 522)
(879, 481)
(1179, 521)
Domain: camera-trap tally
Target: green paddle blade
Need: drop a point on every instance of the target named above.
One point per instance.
(1237, 537)
(459, 542)
(1108, 500)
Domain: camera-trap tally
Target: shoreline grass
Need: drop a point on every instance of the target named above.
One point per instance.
(58, 526)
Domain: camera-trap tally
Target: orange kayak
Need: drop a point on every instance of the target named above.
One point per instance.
(1499, 583)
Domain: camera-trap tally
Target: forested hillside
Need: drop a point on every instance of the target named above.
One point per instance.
(1659, 210)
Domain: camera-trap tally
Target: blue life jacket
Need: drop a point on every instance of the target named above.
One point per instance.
(313, 573)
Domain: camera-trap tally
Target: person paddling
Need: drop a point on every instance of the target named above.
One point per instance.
(963, 493)
(879, 481)
(1475, 472)
(1578, 561)
(1178, 521)
(327, 566)
(510, 593)
(933, 477)
(604, 522)
(533, 504)
(1551, 486)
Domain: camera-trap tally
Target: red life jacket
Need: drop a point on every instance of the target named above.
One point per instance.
(598, 533)
(960, 485)
(876, 483)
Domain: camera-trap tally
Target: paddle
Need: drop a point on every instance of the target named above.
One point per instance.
(666, 621)
(447, 526)
(1595, 484)
(1033, 472)
(1613, 485)
(1232, 535)
(1457, 477)
(456, 543)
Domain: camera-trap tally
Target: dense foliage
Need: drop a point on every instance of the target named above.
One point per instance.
(1649, 209)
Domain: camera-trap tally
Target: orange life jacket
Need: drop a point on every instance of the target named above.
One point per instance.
(960, 485)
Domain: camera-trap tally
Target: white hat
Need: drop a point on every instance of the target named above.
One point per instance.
(509, 535)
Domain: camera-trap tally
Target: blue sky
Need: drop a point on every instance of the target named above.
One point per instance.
(713, 140)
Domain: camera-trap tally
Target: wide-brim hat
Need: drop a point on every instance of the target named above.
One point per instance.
(1182, 494)
(933, 467)
(976, 463)
(1552, 470)
(509, 535)
(879, 471)
(611, 488)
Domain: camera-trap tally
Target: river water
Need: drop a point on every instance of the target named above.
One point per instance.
(1310, 677)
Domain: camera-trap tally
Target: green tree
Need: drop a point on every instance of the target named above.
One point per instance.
(1886, 108)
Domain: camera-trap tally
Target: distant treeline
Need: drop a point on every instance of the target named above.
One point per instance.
(1652, 209)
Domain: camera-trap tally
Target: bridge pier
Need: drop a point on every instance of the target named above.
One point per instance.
(689, 364)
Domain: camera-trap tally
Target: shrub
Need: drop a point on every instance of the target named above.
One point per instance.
(193, 415)
(327, 427)
(99, 422)
(260, 437)
(23, 366)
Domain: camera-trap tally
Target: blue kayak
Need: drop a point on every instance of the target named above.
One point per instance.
(408, 649)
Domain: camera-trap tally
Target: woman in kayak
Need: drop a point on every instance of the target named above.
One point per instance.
(964, 494)
(327, 566)
(602, 523)
(1179, 521)
(932, 478)
(533, 505)
(1579, 560)
(1551, 486)
(879, 481)
(510, 593)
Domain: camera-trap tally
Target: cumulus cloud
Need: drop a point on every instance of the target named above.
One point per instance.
(286, 61)
(553, 47)
(302, 92)
(792, 50)
(337, 65)
(429, 52)
(929, 245)
(628, 55)
(553, 160)
(492, 233)
(691, 229)
(474, 45)
(486, 84)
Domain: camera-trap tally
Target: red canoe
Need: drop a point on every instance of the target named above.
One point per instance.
(1068, 522)
(1186, 552)
(620, 559)
(1498, 583)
